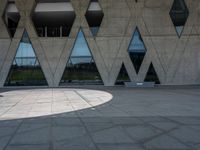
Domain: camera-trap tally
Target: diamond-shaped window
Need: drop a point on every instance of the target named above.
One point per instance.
(11, 17)
(137, 50)
(94, 16)
(53, 19)
(179, 14)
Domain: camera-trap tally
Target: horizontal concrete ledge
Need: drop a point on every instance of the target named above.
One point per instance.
(117, 87)
(140, 84)
(189, 86)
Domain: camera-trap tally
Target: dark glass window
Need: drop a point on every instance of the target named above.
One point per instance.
(94, 16)
(123, 76)
(11, 17)
(152, 75)
(81, 67)
(137, 50)
(25, 70)
(179, 14)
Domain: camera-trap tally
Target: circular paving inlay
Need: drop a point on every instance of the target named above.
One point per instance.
(40, 102)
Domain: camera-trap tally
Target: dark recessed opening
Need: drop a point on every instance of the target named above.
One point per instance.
(179, 14)
(53, 19)
(11, 18)
(94, 16)
(122, 76)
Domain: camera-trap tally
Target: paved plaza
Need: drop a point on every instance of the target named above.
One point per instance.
(100, 118)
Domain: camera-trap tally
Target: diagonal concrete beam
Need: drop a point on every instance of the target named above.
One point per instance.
(80, 21)
(25, 9)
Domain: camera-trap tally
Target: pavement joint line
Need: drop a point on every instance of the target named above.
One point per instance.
(15, 104)
(12, 136)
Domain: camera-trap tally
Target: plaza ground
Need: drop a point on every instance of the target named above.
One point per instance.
(100, 118)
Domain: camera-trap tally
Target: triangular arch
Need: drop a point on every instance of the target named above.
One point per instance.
(81, 67)
(151, 75)
(122, 76)
(25, 69)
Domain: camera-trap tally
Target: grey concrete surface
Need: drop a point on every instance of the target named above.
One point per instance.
(101, 119)
(176, 60)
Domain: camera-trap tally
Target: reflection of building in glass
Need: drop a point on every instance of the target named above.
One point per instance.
(81, 67)
(137, 50)
(25, 70)
(126, 41)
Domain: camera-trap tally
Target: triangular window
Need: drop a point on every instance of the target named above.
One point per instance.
(81, 67)
(25, 69)
(122, 76)
(152, 75)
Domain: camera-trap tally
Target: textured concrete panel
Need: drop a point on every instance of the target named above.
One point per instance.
(176, 60)
(4, 46)
(53, 48)
(3, 29)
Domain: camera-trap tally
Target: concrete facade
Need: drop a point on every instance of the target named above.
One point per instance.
(176, 60)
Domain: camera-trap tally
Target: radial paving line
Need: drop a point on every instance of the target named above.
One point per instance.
(83, 98)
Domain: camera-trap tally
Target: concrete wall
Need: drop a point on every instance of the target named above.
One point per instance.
(176, 60)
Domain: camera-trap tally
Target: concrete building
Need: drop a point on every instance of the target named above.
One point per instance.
(135, 35)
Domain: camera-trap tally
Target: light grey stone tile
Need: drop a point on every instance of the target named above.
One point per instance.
(126, 121)
(79, 143)
(27, 147)
(4, 141)
(67, 132)
(187, 135)
(119, 147)
(165, 142)
(111, 135)
(66, 121)
(141, 133)
(7, 131)
(164, 125)
(32, 134)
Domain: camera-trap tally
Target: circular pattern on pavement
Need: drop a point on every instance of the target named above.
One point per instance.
(40, 102)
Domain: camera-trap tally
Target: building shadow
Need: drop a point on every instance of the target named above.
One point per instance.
(101, 127)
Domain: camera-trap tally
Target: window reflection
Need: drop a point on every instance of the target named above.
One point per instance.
(81, 68)
(25, 70)
(137, 50)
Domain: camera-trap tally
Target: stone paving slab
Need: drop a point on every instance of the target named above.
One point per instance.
(132, 119)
